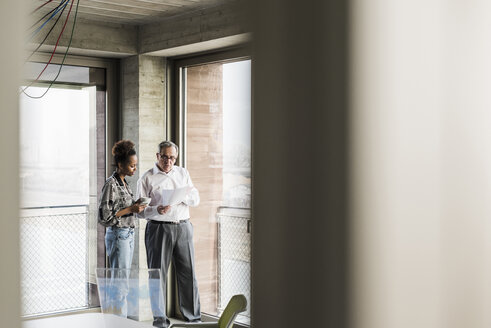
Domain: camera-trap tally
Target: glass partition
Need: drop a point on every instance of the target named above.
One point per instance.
(130, 293)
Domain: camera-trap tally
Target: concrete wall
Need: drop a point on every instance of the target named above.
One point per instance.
(91, 38)
(213, 28)
(152, 108)
(217, 23)
(143, 105)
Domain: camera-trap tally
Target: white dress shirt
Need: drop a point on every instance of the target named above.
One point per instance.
(154, 181)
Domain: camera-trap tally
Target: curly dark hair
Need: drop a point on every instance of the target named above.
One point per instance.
(122, 150)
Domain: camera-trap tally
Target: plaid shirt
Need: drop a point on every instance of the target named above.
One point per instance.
(115, 197)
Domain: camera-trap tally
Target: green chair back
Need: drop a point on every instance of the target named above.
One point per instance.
(237, 304)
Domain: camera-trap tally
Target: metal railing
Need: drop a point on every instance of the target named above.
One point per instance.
(234, 257)
(54, 258)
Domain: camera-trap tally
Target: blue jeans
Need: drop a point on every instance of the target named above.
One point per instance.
(120, 243)
(119, 248)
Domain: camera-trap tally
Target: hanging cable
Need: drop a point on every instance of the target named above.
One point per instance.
(33, 34)
(41, 6)
(46, 37)
(47, 14)
(57, 41)
(64, 57)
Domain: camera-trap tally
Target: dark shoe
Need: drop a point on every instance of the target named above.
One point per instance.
(160, 322)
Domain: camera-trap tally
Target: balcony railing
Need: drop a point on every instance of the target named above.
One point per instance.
(57, 245)
(54, 258)
(234, 257)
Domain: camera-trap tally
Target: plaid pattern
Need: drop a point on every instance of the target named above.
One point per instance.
(115, 197)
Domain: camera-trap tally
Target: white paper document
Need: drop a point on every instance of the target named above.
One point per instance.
(174, 196)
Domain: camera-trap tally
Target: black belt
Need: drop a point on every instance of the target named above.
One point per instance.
(169, 222)
(116, 227)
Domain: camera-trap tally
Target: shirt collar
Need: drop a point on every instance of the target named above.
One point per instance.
(118, 178)
(156, 170)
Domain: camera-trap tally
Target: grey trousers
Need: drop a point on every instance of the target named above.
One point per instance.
(166, 242)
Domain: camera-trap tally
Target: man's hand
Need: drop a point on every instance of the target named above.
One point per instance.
(163, 209)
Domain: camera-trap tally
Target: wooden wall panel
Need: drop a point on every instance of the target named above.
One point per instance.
(205, 163)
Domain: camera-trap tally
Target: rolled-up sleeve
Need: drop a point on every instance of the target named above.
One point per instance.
(107, 210)
(142, 191)
(192, 198)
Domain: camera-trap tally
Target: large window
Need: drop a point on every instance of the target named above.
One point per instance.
(62, 165)
(214, 131)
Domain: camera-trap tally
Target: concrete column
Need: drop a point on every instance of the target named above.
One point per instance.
(143, 114)
(143, 117)
(11, 34)
(300, 147)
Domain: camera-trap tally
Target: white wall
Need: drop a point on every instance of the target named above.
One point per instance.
(11, 29)
(421, 164)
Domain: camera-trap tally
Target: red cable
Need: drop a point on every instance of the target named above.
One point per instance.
(57, 41)
(41, 6)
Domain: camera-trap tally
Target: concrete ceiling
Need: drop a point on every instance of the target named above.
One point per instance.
(122, 28)
(128, 12)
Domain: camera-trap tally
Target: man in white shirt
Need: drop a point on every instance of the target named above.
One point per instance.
(169, 233)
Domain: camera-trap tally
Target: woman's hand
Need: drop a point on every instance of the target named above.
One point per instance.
(137, 208)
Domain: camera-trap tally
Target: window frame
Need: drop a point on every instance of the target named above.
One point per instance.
(176, 122)
(108, 104)
(175, 116)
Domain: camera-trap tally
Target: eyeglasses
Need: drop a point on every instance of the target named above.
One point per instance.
(167, 158)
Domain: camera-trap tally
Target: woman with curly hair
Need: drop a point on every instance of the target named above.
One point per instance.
(117, 207)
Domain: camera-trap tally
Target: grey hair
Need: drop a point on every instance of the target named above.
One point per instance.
(167, 144)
